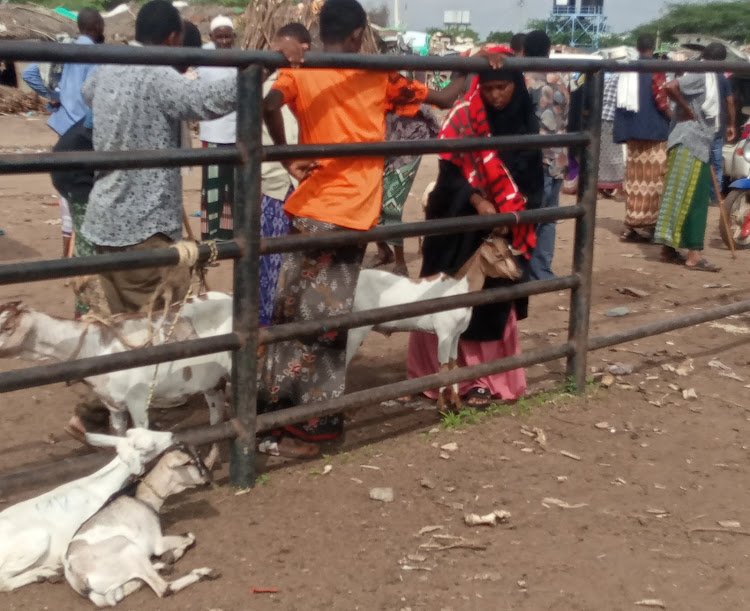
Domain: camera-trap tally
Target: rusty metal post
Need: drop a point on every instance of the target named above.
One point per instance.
(583, 250)
(247, 233)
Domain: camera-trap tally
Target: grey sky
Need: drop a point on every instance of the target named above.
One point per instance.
(487, 15)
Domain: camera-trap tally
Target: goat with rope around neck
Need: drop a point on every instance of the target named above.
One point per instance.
(28, 334)
(110, 556)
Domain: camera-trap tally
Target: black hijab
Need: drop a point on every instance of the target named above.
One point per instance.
(518, 118)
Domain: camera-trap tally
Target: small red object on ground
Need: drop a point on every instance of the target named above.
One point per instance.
(264, 590)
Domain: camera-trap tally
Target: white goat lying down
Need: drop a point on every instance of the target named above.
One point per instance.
(28, 334)
(379, 289)
(110, 555)
(34, 534)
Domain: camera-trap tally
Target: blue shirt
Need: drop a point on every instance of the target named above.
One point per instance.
(72, 107)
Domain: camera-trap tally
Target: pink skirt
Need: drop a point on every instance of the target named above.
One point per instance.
(510, 385)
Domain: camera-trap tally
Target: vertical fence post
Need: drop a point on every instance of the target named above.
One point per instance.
(583, 250)
(247, 234)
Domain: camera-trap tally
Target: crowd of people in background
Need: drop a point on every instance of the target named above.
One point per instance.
(672, 130)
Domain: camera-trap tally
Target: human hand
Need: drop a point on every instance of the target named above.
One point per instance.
(731, 133)
(292, 49)
(495, 59)
(484, 206)
(300, 169)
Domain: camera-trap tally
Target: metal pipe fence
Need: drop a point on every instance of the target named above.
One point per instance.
(247, 246)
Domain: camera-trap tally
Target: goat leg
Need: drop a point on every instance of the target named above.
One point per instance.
(454, 398)
(171, 548)
(192, 577)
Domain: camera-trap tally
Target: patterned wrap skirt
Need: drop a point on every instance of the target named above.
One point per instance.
(312, 285)
(217, 199)
(684, 207)
(611, 159)
(274, 222)
(644, 182)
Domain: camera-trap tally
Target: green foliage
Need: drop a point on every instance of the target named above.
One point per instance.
(729, 20)
(500, 37)
(263, 479)
(456, 32)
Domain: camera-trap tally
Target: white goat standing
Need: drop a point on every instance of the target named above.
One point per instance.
(379, 289)
(29, 334)
(110, 555)
(34, 534)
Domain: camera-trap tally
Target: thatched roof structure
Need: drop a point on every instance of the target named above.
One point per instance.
(263, 18)
(29, 22)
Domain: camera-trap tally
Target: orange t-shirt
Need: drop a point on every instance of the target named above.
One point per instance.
(337, 106)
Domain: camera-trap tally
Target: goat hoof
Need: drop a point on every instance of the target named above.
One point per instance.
(59, 578)
(207, 574)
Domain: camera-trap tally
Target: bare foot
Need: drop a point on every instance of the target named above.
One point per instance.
(384, 257)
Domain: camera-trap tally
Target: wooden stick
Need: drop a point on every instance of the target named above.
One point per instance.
(725, 531)
(188, 228)
(71, 245)
(723, 211)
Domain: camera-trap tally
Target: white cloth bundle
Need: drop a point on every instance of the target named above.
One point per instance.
(627, 92)
(711, 105)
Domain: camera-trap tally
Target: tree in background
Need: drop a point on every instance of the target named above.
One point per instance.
(729, 20)
(380, 16)
(456, 32)
(499, 37)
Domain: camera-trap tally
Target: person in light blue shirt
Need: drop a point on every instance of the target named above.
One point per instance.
(66, 98)
(66, 101)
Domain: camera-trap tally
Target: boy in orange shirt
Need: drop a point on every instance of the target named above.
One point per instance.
(331, 106)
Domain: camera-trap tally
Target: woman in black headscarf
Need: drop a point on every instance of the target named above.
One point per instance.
(484, 182)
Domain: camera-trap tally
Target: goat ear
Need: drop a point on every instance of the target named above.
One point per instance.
(100, 440)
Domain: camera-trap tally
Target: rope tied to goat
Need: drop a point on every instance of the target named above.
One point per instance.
(89, 289)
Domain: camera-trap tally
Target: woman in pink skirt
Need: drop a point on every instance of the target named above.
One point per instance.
(484, 182)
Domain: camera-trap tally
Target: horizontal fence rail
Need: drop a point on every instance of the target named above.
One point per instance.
(29, 163)
(51, 269)
(158, 55)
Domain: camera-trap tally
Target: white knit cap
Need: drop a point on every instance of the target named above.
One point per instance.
(221, 22)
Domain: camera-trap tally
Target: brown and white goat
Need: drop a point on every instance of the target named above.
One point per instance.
(34, 534)
(110, 555)
(380, 289)
(28, 334)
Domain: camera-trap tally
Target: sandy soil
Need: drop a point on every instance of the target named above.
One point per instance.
(652, 468)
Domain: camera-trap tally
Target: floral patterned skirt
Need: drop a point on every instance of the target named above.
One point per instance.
(312, 285)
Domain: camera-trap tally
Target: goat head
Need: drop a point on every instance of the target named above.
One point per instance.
(498, 260)
(12, 332)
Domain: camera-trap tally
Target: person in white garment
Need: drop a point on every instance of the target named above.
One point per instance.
(217, 191)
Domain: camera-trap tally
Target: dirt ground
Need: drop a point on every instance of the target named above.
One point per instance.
(647, 475)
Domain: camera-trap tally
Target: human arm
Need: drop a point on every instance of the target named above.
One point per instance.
(283, 92)
(33, 78)
(731, 118)
(685, 113)
(445, 98)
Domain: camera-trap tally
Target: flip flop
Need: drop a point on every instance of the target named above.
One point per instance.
(703, 265)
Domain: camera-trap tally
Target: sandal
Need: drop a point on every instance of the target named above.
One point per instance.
(673, 256)
(288, 447)
(479, 397)
(703, 265)
(378, 260)
(633, 237)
